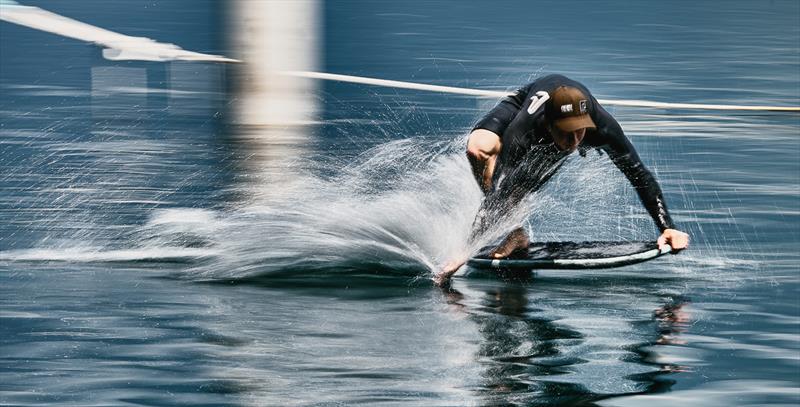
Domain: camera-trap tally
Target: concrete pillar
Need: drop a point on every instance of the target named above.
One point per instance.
(271, 36)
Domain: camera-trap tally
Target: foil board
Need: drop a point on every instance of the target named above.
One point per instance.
(571, 255)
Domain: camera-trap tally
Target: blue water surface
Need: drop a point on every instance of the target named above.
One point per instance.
(154, 252)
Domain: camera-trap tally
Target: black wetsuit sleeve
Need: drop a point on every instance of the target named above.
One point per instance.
(498, 119)
(624, 156)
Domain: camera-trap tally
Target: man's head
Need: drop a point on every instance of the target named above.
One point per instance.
(568, 114)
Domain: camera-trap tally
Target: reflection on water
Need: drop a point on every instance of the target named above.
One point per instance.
(673, 320)
(528, 354)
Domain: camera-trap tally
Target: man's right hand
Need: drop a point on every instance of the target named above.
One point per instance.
(674, 238)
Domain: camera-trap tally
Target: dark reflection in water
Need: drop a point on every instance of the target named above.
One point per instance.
(673, 319)
(522, 350)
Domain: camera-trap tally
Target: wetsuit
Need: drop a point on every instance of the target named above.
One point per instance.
(529, 158)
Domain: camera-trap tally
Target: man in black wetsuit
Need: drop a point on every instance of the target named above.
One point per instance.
(524, 140)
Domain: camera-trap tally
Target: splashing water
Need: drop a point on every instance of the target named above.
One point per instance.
(402, 208)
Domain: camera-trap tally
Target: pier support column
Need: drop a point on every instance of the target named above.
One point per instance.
(273, 113)
(271, 36)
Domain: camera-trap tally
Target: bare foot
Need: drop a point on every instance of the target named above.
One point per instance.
(515, 240)
(442, 279)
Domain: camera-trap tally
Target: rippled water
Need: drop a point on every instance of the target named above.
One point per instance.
(151, 253)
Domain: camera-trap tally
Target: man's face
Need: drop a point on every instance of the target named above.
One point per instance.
(567, 141)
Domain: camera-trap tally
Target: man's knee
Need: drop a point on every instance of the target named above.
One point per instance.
(483, 144)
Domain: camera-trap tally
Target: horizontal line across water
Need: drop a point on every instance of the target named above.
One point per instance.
(496, 94)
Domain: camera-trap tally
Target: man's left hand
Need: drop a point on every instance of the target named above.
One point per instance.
(675, 238)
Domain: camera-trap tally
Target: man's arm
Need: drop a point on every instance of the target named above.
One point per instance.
(624, 156)
(483, 148)
(484, 142)
(627, 160)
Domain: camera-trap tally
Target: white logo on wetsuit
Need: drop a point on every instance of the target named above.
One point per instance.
(537, 101)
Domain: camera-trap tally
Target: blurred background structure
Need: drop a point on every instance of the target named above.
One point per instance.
(272, 37)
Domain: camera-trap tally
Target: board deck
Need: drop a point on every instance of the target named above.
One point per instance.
(571, 255)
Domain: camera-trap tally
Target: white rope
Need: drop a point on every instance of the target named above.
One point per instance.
(118, 47)
(398, 84)
(497, 94)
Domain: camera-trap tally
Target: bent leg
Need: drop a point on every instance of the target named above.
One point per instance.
(526, 177)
